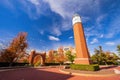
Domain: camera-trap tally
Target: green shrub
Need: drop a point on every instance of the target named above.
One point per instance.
(93, 67)
(37, 64)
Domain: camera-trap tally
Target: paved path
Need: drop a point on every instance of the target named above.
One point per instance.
(46, 74)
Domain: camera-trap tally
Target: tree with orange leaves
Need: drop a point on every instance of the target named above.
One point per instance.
(60, 55)
(16, 48)
(51, 56)
(19, 44)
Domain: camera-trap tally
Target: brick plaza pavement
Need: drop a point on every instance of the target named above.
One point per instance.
(46, 73)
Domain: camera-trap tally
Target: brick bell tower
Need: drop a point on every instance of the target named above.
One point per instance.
(82, 54)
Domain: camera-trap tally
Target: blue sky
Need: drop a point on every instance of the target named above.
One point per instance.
(49, 22)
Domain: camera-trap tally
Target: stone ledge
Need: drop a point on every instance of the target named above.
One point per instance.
(88, 73)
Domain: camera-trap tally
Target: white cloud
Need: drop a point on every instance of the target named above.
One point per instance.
(109, 35)
(95, 30)
(31, 8)
(110, 43)
(101, 36)
(56, 31)
(95, 40)
(89, 31)
(53, 38)
(56, 6)
(85, 19)
(66, 8)
(99, 20)
(35, 2)
(41, 32)
(70, 37)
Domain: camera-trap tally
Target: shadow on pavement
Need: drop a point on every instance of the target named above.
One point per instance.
(32, 74)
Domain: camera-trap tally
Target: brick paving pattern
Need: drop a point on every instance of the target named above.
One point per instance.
(46, 74)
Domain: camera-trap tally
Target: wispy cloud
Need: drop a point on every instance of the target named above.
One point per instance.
(99, 21)
(31, 8)
(101, 36)
(35, 2)
(41, 32)
(57, 7)
(109, 35)
(7, 3)
(66, 8)
(70, 37)
(114, 27)
(110, 43)
(95, 40)
(53, 38)
(90, 31)
(56, 31)
(91, 12)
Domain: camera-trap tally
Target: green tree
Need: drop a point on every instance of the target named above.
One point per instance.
(118, 49)
(70, 56)
(112, 58)
(102, 57)
(99, 56)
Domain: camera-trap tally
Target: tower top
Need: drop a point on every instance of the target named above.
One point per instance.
(76, 18)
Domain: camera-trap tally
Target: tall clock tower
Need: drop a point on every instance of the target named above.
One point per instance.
(82, 54)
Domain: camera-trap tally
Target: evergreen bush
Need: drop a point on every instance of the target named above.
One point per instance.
(93, 67)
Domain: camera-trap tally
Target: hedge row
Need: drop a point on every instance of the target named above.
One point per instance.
(51, 64)
(93, 67)
(5, 64)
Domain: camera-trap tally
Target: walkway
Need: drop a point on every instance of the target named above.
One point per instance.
(46, 74)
